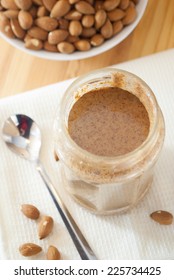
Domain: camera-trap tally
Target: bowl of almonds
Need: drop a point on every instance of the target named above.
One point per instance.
(68, 29)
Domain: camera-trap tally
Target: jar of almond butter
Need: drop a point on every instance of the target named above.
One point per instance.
(108, 135)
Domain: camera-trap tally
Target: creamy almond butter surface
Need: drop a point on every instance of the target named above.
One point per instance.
(108, 122)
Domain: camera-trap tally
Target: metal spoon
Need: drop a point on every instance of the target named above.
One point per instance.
(22, 135)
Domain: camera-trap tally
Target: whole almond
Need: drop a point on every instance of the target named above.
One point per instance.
(50, 48)
(98, 5)
(124, 4)
(75, 28)
(34, 44)
(17, 29)
(66, 47)
(38, 2)
(47, 23)
(42, 12)
(5, 26)
(53, 253)
(130, 16)
(11, 13)
(25, 19)
(82, 45)
(73, 1)
(84, 8)
(107, 29)
(38, 33)
(100, 18)
(23, 4)
(162, 217)
(29, 249)
(110, 5)
(30, 211)
(60, 9)
(45, 226)
(71, 39)
(57, 36)
(117, 26)
(63, 23)
(88, 21)
(97, 40)
(88, 32)
(116, 14)
(49, 4)
(9, 4)
(73, 15)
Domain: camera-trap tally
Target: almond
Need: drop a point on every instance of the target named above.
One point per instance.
(17, 29)
(38, 2)
(9, 4)
(5, 26)
(97, 40)
(130, 16)
(100, 18)
(25, 19)
(42, 12)
(34, 44)
(124, 4)
(38, 33)
(88, 21)
(117, 26)
(29, 249)
(30, 211)
(116, 14)
(49, 4)
(107, 30)
(110, 5)
(66, 47)
(63, 23)
(73, 15)
(162, 217)
(49, 47)
(53, 253)
(45, 226)
(73, 1)
(23, 4)
(88, 32)
(75, 28)
(47, 23)
(60, 9)
(82, 45)
(84, 8)
(57, 36)
(11, 13)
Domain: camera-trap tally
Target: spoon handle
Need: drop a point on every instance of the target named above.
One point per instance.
(78, 239)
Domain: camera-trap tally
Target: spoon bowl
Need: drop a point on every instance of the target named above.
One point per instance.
(23, 137)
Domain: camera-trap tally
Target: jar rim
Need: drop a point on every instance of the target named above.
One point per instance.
(109, 159)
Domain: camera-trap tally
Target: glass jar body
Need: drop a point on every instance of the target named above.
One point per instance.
(107, 185)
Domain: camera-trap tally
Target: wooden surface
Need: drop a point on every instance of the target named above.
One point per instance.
(20, 72)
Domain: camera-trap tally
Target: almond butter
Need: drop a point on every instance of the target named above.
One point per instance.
(25, 19)
(162, 217)
(47, 23)
(29, 249)
(110, 5)
(84, 8)
(130, 15)
(75, 28)
(66, 47)
(53, 253)
(34, 44)
(45, 226)
(30, 211)
(57, 36)
(60, 9)
(23, 5)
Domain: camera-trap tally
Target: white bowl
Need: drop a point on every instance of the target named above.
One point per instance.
(141, 6)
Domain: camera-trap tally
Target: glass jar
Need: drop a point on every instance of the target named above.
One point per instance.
(106, 185)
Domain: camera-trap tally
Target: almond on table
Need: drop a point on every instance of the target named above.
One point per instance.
(30, 211)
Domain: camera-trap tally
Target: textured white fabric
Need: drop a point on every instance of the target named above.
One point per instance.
(132, 235)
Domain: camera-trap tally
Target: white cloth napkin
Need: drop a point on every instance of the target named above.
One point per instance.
(132, 235)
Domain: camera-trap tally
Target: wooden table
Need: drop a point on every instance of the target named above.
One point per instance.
(20, 72)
